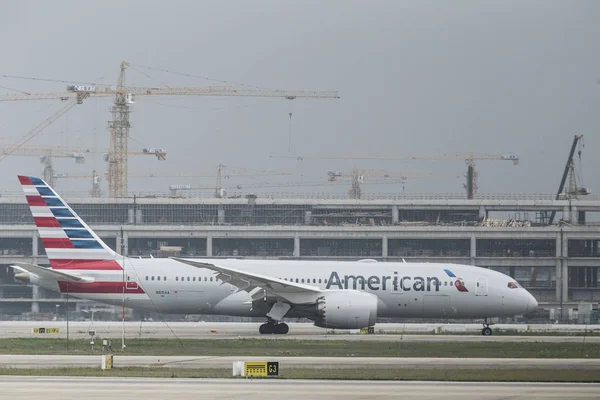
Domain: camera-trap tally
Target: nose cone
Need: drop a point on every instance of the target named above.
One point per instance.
(532, 303)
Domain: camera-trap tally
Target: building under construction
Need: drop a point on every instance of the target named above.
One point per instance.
(558, 261)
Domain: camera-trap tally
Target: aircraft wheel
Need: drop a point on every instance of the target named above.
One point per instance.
(487, 331)
(265, 329)
(282, 329)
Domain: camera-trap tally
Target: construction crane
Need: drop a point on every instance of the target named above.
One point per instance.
(470, 158)
(358, 176)
(46, 154)
(95, 191)
(220, 175)
(573, 190)
(125, 96)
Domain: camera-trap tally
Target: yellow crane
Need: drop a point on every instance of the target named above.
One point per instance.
(125, 96)
(358, 177)
(470, 158)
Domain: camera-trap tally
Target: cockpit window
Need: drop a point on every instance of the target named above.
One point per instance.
(513, 285)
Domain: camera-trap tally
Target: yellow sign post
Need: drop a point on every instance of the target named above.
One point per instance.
(43, 331)
(107, 361)
(261, 368)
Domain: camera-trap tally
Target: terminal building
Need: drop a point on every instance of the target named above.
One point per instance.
(557, 262)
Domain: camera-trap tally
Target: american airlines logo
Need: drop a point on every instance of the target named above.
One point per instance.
(459, 284)
(396, 283)
(376, 282)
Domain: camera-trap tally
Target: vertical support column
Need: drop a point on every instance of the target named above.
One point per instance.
(574, 215)
(565, 269)
(34, 245)
(482, 212)
(558, 288)
(118, 242)
(209, 245)
(296, 245)
(220, 215)
(125, 247)
(395, 215)
(384, 246)
(35, 295)
(566, 215)
(473, 249)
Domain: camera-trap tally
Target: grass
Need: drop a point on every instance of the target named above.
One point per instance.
(501, 375)
(307, 348)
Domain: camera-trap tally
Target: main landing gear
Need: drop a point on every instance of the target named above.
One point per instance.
(271, 327)
(486, 331)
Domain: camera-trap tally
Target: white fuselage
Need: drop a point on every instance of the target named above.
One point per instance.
(416, 290)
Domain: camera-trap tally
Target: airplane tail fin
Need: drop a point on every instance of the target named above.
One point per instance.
(69, 242)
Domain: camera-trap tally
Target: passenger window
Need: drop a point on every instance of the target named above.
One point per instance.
(296, 280)
(314, 280)
(146, 277)
(451, 283)
(205, 279)
(188, 278)
(319, 280)
(445, 283)
(302, 280)
(164, 278)
(158, 278)
(477, 284)
(177, 278)
(152, 278)
(211, 279)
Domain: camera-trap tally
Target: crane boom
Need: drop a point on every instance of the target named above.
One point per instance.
(74, 93)
(563, 179)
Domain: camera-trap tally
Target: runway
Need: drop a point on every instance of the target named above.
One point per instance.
(59, 388)
(233, 330)
(55, 361)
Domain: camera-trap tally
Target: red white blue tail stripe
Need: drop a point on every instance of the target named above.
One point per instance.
(69, 242)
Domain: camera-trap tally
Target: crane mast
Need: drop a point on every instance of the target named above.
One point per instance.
(119, 135)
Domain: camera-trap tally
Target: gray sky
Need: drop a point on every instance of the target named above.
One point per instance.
(414, 77)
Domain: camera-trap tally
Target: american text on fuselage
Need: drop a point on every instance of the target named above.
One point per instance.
(377, 283)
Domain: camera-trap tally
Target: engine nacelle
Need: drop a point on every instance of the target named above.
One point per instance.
(346, 309)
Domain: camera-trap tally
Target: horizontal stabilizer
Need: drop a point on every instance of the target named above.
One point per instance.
(50, 274)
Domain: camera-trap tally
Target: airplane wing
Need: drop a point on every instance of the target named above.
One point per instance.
(51, 274)
(249, 281)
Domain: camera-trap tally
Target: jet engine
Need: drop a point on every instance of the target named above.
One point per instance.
(346, 309)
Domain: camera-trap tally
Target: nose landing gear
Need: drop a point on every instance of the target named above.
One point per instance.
(486, 331)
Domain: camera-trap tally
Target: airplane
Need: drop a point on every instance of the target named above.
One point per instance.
(333, 294)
